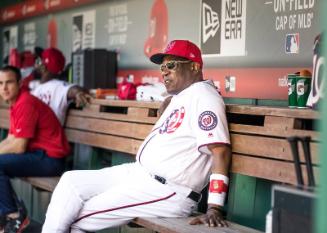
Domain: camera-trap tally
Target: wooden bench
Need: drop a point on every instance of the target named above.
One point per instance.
(258, 137)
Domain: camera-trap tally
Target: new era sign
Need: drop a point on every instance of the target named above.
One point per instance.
(223, 27)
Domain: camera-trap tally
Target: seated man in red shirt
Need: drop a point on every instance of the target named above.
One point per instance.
(35, 146)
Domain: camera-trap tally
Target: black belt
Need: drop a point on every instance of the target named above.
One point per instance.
(194, 196)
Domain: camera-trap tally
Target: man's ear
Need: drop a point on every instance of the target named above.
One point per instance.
(195, 67)
(42, 68)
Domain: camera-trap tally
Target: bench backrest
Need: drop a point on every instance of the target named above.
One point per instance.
(259, 143)
(258, 134)
(114, 125)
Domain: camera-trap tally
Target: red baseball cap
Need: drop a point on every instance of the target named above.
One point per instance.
(53, 60)
(179, 48)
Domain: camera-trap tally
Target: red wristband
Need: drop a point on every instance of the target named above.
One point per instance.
(217, 189)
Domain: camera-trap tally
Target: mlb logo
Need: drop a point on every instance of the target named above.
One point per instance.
(292, 43)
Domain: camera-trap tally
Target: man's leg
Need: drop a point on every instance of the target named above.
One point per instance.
(139, 195)
(17, 165)
(7, 201)
(77, 187)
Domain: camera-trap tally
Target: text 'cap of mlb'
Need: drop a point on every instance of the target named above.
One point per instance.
(180, 48)
(53, 60)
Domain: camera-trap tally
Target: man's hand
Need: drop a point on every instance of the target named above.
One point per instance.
(212, 218)
(79, 96)
(82, 98)
(13, 145)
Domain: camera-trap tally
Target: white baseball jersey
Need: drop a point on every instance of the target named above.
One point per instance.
(54, 94)
(176, 149)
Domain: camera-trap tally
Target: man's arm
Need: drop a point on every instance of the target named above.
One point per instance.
(79, 95)
(221, 162)
(13, 145)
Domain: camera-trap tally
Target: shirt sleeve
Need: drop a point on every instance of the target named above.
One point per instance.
(25, 121)
(63, 88)
(209, 122)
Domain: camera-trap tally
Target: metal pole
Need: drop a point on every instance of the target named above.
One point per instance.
(295, 152)
(307, 155)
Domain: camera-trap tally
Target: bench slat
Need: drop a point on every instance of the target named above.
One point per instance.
(127, 103)
(113, 116)
(272, 170)
(110, 142)
(138, 112)
(126, 129)
(181, 225)
(273, 111)
(4, 112)
(4, 123)
(276, 132)
(3, 104)
(46, 183)
(280, 171)
(269, 147)
(4, 118)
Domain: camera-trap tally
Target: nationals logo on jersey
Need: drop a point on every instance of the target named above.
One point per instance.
(173, 121)
(207, 120)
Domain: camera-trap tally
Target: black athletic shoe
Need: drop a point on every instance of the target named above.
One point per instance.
(17, 225)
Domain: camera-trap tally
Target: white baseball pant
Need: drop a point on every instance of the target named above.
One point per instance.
(91, 200)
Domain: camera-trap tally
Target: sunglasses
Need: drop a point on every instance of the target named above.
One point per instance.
(171, 65)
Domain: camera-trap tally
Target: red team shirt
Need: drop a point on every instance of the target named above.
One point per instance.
(31, 118)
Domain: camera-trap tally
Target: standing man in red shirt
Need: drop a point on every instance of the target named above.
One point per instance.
(35, 146)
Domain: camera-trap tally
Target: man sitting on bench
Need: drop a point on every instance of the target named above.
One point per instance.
(35, 146)
(54, 92)
(188, 145)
